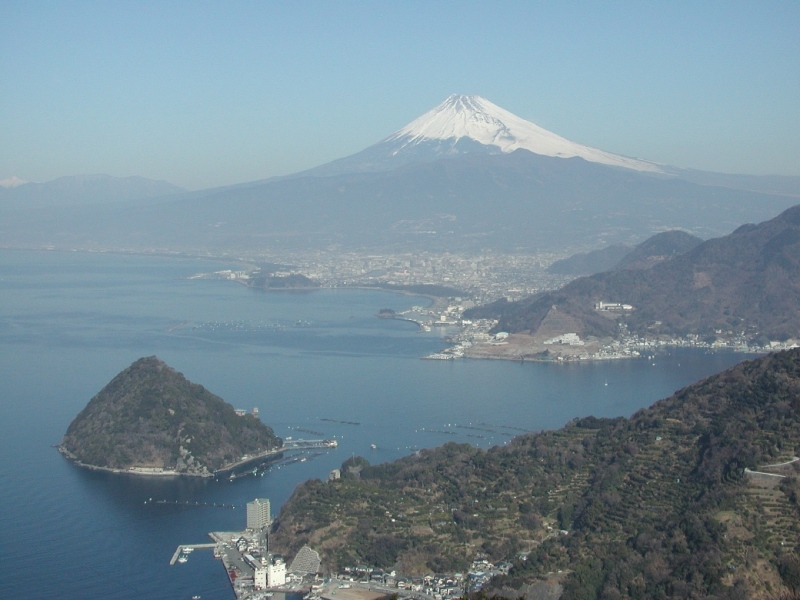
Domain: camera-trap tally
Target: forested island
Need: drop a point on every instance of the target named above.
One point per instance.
(697, 496)
(151, 420)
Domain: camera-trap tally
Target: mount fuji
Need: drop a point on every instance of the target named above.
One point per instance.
(470, 125)
(477, 119)
(464, 176)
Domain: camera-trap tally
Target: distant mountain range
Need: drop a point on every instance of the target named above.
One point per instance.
(467, 175)
(747, 282)
(82, 189)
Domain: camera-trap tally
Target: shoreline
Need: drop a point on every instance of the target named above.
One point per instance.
(420, 325)
(195, 254)
(642, 353)
(160, 472)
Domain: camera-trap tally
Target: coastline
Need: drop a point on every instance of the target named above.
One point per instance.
(160, 472)
(419, 324)
(532, 348)
(476, 351)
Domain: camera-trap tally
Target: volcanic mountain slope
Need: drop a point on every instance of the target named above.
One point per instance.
(659, 505)
(470, 124)
(748, 281)
(151, 416)
(466, 176)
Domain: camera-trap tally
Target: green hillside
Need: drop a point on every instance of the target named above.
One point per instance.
(655, 506)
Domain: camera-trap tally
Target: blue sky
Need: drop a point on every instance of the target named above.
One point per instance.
(212, 93)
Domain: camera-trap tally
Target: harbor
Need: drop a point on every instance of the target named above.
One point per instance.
(254, 573)
(182, 552)
(259, 464)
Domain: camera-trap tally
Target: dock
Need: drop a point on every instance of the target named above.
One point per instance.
(275, 453)
(311, 444)
(183, 547)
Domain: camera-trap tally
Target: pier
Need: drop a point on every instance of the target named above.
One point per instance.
(191, 503)
(183, 547)
(275, 453)
(308, 444)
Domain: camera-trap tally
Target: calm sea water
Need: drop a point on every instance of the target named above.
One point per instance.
(69, 322)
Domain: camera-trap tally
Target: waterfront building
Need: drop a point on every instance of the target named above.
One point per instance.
(260, 578)
(258, 514)
(267, 574)
(276, 573)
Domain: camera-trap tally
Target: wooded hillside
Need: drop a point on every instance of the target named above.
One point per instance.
(658, 505)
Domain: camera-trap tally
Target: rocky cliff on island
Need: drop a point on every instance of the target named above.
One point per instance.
(151, 420)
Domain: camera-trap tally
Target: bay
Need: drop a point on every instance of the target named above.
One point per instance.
(311, 361)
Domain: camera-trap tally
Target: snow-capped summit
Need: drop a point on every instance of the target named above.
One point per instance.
(12, 182)
(469, 125)
(476, 118)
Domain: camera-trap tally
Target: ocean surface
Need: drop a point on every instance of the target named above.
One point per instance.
(317, 361)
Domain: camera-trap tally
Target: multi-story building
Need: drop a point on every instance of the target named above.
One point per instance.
(270, 573)
(276, 573)
(258, 515)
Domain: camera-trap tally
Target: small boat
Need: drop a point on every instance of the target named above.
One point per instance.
(373, 446)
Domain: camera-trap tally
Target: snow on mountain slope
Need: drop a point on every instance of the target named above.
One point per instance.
(478, 119)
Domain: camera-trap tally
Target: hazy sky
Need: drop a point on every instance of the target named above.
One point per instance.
(212, 93)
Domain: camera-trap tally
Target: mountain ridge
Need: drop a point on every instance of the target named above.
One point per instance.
(657, 248)
(589, 263)
(78, 190)
(747, 282)
(506, 202)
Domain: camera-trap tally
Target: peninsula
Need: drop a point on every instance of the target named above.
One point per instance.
(697, 496)
(151, 420)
